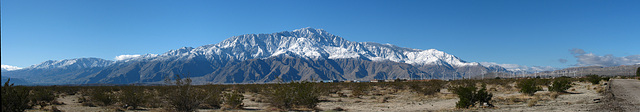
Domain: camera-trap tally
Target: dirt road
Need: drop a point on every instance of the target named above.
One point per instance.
(624, 95)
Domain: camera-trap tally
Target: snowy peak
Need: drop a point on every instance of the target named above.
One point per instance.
(73, 63)
(433, 56)
(9, 68)
(180, 51)
(519, 68)
(314, 43)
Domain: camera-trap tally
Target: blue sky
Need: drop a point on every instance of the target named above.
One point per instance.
(532, 33)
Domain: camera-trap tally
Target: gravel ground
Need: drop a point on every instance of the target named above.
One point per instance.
(623, 95)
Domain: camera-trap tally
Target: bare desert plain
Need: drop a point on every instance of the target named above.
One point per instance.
(613, 95)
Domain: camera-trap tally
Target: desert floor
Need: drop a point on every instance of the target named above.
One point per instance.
(581, 97)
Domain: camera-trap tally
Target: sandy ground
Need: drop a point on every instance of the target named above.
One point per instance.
(624, 95)
(581, 97)
(400, 101)
(506, 99)
(71, 105)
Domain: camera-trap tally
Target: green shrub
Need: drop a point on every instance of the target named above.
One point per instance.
(42, 97)
(469, 96)
(182, 96)
(102, 96)
(605, 78)
(359, 89)
(133, 96)
(213, 98)
(427, 88)
(528, 86)
(594, 79)
(14, 98)
(294, 95)
(638, 72)
(233, 100)
(560, 85)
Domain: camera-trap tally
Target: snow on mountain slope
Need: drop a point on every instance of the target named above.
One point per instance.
(520, 68)
(312, 43)
(9, 68)
(73, 63)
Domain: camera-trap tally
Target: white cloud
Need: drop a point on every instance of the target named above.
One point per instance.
(134, 56)
(516, 67)
(590, 59)
(127, 57)
(10, 68)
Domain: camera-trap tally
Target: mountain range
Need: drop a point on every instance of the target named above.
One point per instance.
(302, 54)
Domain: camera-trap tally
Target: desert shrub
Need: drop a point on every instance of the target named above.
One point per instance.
(157, 97)
(294, 95)
(102, 96)
(133, 96)
(560, 85)
(605, 78)
(427, 88)
(183, 96)
(42, 96)
(213, 97)
(14, 98)
(638, 72)
(464, 82)
(233, 100)
(532, 102)
(498, 81)
(469, 95)
(359, 89)
(528, 86)
(594, 79)
(66, 90)
(545, 82)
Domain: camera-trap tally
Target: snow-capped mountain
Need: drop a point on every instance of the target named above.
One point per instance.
(73, 63)
(313, 44)
(302, 54)
(9, 68)
(520, 68)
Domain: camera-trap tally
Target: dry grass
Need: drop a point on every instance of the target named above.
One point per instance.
(554, 95)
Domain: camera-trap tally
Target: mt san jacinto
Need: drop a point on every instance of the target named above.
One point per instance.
(302, 54)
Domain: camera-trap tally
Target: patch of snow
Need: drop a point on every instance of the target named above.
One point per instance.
(519, 68)
(313, 43)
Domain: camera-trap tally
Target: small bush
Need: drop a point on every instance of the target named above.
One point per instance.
(560, 85)
(427, 88)
(528, 87)
(42, 97)
(133, 96)
(14, 98)
(359, 89)
(102, 96)
(554, 95)
(594, 79)
(469, 96)
(213, 99)
(532, 102)
(294, 95)
(605, 78)
(183, 97)
(233, 100)
(638, 72)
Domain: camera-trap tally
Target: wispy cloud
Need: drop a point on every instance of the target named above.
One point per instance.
(562, 60)
(590, 59)
(576, 51)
